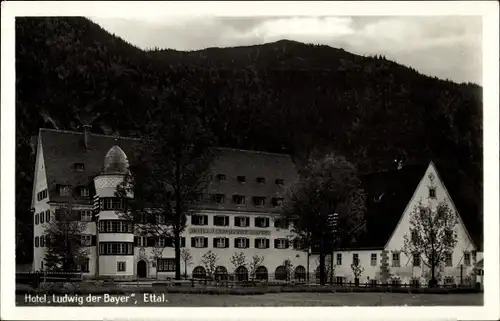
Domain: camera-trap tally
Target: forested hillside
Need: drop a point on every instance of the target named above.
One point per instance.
(284, 96)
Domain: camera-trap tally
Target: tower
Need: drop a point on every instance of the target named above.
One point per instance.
(115, 234)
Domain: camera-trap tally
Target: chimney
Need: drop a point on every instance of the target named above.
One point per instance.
(86, 135)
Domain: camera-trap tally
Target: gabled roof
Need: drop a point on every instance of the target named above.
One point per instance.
(63, 149)
(389, 192)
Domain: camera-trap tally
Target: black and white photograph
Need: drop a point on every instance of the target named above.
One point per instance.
(250, 154)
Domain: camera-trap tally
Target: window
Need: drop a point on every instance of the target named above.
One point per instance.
(373, 259)
(395, 259)
(112, 203)
(467, 259)
(166, 265)
(86, 239)
(242, 221)
(241, 243)
(47, 216)
(280, 243)
(220, 220)
(86, 215)
(220, 242)
(198, 197)
(160, 219)
(415, 282)
(261, 222)
(141, 241)
(239, 199)
(373, 282)
(280, 223)
(116, 248)
(259, 201)
(279, 181)
(37, 241)
(448, 259)
(261, 243)
(241, 179)
(261, 180)
(41, 195)
(41, 265)
(120, 266)
(42, 241)
(160, 241)
(64, 190)
(36, 219)
(355, 259)
(277, 201)
(219, 198)
(199, 219)
(339, 280)
(84, 191)
(449, 280)
(220, 177)
(199, 242)
(85, 266)
(115, 226)
(42, 218)
(339, 258)
(416, 259)
(432, 192)
(79, 167)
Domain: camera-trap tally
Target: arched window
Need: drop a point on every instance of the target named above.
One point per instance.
(199, 272)
(280, 273)
(220, 273)
(241, 273)
(300, 273)
(261, 273)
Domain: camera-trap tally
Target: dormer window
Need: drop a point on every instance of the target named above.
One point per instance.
(239, 199)
(277, 201)
(79, 167)
(84, 191)
(432, 192)
(279, 181)
(261, 180)
(241, 179)
(64, 190)
(220, 177)
(218, 198)
(259, 201)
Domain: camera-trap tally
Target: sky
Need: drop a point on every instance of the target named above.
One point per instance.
(448, 47)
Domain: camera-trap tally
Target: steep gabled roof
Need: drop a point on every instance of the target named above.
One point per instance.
(63, 149)
(388, 194)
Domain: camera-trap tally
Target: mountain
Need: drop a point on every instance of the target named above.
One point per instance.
(281, 97)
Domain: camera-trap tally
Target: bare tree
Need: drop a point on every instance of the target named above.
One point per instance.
(287, 264)
(432, 235)
(66, 249)
(238, 259)
(357, 270)
(157, 253)
(209, 260)
(187, 258)
(254, 264)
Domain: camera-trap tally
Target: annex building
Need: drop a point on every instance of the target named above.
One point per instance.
(237, 213)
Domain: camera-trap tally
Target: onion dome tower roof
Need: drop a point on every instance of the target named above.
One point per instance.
(116, 161)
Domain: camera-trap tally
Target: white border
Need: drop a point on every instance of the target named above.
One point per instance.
(487, 9)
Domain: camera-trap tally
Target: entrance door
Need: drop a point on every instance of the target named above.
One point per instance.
(141, 269)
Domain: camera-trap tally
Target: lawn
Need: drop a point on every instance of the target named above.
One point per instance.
(305, 299)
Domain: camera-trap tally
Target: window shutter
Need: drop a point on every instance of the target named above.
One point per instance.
(275, 243)
(206, 241)
(183, 242)
(47, 215)
(227, 242)
(267, 243)
(94, 240)
(267, 221)
(193, 242)
(136, 240)
(236, 243)
(256, 243)
(205, 219)
(247, 220)
(226, 220)
(237, 221)
(36, 241)
(215, 242)
(287, 244)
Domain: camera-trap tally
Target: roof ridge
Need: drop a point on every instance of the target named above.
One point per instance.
(253, 151)
(81, 133)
